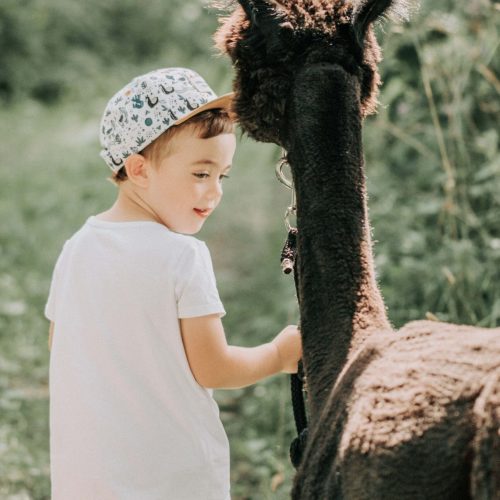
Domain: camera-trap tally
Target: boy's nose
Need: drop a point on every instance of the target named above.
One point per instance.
(216, 189)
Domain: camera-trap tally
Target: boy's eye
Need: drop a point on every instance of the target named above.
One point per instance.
(204, 175)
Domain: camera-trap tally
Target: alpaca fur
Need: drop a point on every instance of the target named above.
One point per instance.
(261, 85)
(413, 414)
(419, 418)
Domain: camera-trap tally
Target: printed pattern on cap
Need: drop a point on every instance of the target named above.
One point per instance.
(145, 108)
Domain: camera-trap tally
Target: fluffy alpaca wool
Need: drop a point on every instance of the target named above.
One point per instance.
(309, 31)
(413, 414)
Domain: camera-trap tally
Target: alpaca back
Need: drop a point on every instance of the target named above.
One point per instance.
(420, 419)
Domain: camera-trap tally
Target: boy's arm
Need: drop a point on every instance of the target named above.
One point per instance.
(51, 332)
(215, 364)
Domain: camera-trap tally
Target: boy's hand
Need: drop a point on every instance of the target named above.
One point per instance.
(289, 347)
(215, 364)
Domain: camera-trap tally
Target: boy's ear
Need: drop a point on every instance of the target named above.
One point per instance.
(137, 171)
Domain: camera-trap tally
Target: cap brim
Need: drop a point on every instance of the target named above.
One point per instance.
(222, 102)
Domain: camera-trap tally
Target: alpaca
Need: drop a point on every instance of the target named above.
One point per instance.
(413, 414)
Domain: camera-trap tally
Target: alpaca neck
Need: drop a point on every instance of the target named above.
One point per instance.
(339, 299)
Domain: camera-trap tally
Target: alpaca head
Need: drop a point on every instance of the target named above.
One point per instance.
(269, 40)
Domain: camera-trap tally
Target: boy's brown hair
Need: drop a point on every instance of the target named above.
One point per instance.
(206, 124)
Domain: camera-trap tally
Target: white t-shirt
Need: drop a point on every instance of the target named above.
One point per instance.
(128, 421)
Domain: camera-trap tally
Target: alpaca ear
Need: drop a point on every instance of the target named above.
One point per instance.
(258, 12)
(265, 23)
(249, 8)
(368, 11)
(365, 13)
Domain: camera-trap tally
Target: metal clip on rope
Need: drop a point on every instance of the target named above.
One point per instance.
(288, 264)
(292, 209)
(290, 248)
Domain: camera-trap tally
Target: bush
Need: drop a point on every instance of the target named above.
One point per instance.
(51, 46)
(434, 167)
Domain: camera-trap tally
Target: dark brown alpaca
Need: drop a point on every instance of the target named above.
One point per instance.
(413, 414)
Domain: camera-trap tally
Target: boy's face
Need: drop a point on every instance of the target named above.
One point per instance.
(187, 185)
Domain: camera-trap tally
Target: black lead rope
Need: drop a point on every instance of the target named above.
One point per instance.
(297, 380)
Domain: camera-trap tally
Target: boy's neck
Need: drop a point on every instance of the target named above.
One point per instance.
(128, 207)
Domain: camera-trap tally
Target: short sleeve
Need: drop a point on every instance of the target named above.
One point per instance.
(50, 306)
(196, 288)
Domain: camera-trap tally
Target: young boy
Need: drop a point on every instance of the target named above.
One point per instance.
(138, 343)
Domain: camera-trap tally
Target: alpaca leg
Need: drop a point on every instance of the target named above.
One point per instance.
(485, 481)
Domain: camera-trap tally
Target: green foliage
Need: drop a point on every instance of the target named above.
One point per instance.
(432, 164)
(49, 47)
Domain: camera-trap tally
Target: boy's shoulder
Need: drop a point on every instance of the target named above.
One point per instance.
(152, 241)
(187, 247)
(165, 237)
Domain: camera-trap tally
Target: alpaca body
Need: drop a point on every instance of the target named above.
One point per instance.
(414, 415)
(393, 414)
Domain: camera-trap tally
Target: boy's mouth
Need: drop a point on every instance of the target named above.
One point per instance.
(205, 212)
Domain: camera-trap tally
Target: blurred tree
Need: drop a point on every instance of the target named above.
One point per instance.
(48, 45)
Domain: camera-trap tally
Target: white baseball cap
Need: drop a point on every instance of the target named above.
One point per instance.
(149, 105)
